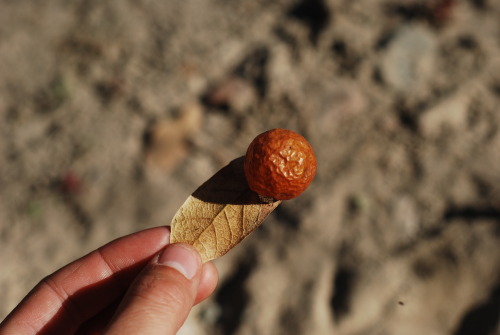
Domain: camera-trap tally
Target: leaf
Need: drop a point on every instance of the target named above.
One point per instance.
(220, 213)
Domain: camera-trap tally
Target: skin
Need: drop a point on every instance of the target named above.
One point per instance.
(137, 284)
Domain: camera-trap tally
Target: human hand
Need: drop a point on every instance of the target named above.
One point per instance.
(138, 284)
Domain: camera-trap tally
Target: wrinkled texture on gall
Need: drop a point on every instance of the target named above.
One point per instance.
(279, 164)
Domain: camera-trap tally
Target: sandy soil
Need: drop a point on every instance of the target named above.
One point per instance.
(113, 112)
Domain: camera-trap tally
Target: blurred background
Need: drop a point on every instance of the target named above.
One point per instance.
(113, 112)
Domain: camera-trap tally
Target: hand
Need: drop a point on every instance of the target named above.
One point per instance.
(137, 284)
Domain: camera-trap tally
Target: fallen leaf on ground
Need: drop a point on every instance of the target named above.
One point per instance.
(166, 139)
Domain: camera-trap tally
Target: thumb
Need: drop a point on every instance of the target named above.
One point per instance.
(159, 300)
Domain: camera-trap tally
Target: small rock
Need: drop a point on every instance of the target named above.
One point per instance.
(191, 118)
(405, 215)
(235, 93)
(410, 58)
(450, 113)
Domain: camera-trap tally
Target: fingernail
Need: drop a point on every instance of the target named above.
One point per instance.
(182, 258)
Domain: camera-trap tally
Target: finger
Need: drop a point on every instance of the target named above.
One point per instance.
(208, 282)
(160, 299)
(81, 289)
(95, 325)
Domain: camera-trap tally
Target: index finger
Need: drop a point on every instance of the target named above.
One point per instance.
(76, 292)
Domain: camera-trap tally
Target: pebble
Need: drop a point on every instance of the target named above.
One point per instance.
(405, 215)
(450, 113)
(235, 93)
(410, 58)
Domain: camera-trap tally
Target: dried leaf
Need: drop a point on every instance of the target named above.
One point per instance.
(220, 213)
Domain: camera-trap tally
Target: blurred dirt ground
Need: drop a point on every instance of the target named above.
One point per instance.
(113, 112)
